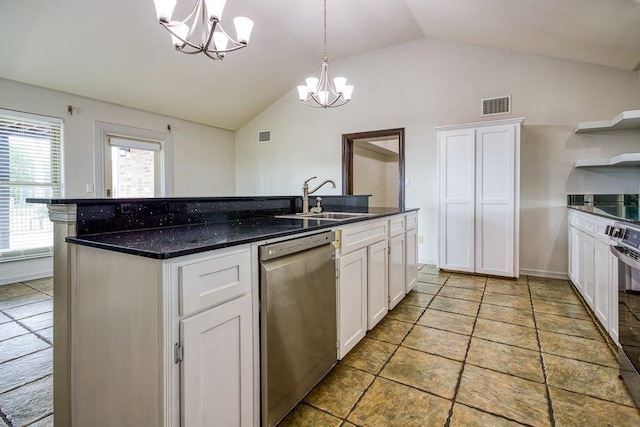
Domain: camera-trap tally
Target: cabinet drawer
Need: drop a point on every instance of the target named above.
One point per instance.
(583, 222)
(213, 280)
(396, 225)
(411, 221)
(360, 236)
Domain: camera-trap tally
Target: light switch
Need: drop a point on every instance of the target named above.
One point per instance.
(89, 188)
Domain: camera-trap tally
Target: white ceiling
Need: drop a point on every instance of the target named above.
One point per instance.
(115, 51)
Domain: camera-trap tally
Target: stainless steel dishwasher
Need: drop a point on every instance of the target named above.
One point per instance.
(298, 331)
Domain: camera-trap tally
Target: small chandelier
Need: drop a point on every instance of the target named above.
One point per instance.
(322, 92)
(206, 14)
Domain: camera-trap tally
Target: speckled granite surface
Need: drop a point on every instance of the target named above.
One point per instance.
(621, 207)
(172, 227)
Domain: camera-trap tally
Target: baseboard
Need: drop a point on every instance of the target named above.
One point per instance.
(546, 274)
(25, 278)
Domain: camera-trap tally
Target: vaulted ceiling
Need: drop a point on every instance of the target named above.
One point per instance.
(115, 51)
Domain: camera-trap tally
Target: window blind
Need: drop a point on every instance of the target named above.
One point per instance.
(31, 165)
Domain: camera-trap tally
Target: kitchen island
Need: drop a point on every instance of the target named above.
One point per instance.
(134, 277)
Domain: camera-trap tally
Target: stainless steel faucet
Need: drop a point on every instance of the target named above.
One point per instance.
(306, 192)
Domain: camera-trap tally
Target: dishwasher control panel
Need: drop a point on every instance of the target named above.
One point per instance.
(277, 250)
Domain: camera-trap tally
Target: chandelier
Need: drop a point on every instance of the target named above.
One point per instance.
(205, 17)
(322, 92)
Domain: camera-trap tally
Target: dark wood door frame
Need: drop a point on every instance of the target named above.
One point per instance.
(347, 158)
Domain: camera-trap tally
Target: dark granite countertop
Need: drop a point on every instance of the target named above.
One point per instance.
(619, 207)
(171, 242)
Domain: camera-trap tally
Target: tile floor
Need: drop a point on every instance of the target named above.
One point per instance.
(458, 350)
(465, 350)
(26, 354)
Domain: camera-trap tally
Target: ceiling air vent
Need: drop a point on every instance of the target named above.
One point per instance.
(495, 106)
(264, 136)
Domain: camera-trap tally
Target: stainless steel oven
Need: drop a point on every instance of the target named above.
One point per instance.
(625, 238)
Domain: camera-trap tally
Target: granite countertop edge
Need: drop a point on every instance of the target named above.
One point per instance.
(591, 210)
(177, 241)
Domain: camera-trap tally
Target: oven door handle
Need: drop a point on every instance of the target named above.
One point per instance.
(624, 259)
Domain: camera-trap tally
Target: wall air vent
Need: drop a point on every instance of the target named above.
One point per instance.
(496, 106)
(264, 136)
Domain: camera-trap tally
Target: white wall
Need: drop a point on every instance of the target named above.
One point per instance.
(427, 83)
(204, 157)
(370, 175)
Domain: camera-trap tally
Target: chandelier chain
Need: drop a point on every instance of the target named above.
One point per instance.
(325, 29)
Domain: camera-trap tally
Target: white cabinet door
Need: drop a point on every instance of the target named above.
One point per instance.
(217, 368)
(411, 262)
(378, 291)
(456, 172)
(495, 200)
(601, 283)
(396, 270)
(586, 270)
(574, 258)
(352, 300)
(613, 299)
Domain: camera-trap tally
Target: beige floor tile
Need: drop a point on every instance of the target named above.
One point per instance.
(470, 282)
(461, 293)
(427, 288)
(389, 404)
(390, 330)
(406, 312)
(515, 288)
(14, 290)
(463, 416)
(439, 342)
(43, 285)
(13, 302)
(506, 333)
(553, 285)
(515, 398)
(347, 424)
(448, 321)
(586, 378)
(305, 415)
(469, 277)
(508, 280)
(587, 350)
(454, 305)
(369, 355)
(512, 301)
(418, 299)
(560, 309)
(437, 279)
(507, 359)
(427, 372)
(567, 325)
(507, 315)
(339, 391)
(431, 269)
(577, 410)
(555, 296)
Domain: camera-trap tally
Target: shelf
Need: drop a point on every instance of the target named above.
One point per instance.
(623, 121)
(627, 159)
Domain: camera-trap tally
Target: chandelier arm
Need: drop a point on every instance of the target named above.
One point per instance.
(237, 46)
(197, 11)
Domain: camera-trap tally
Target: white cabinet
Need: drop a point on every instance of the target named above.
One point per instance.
(411, 271)
(216, 386)
(164, 342)
(216, 371)
(396, 269)
(352, 299)
(479, 197)
(377, 287)
(593, 270)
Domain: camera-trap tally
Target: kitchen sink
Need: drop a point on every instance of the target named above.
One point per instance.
(328, 216)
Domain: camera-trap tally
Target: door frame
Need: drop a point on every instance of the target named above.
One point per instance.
(103, 131)
(347, 158)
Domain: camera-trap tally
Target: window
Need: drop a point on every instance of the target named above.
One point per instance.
(30, 166)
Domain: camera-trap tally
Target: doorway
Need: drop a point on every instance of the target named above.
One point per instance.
(373, 163)
(132, 168)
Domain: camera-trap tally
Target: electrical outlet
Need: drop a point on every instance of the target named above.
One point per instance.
(90, 188)
(420, 239)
